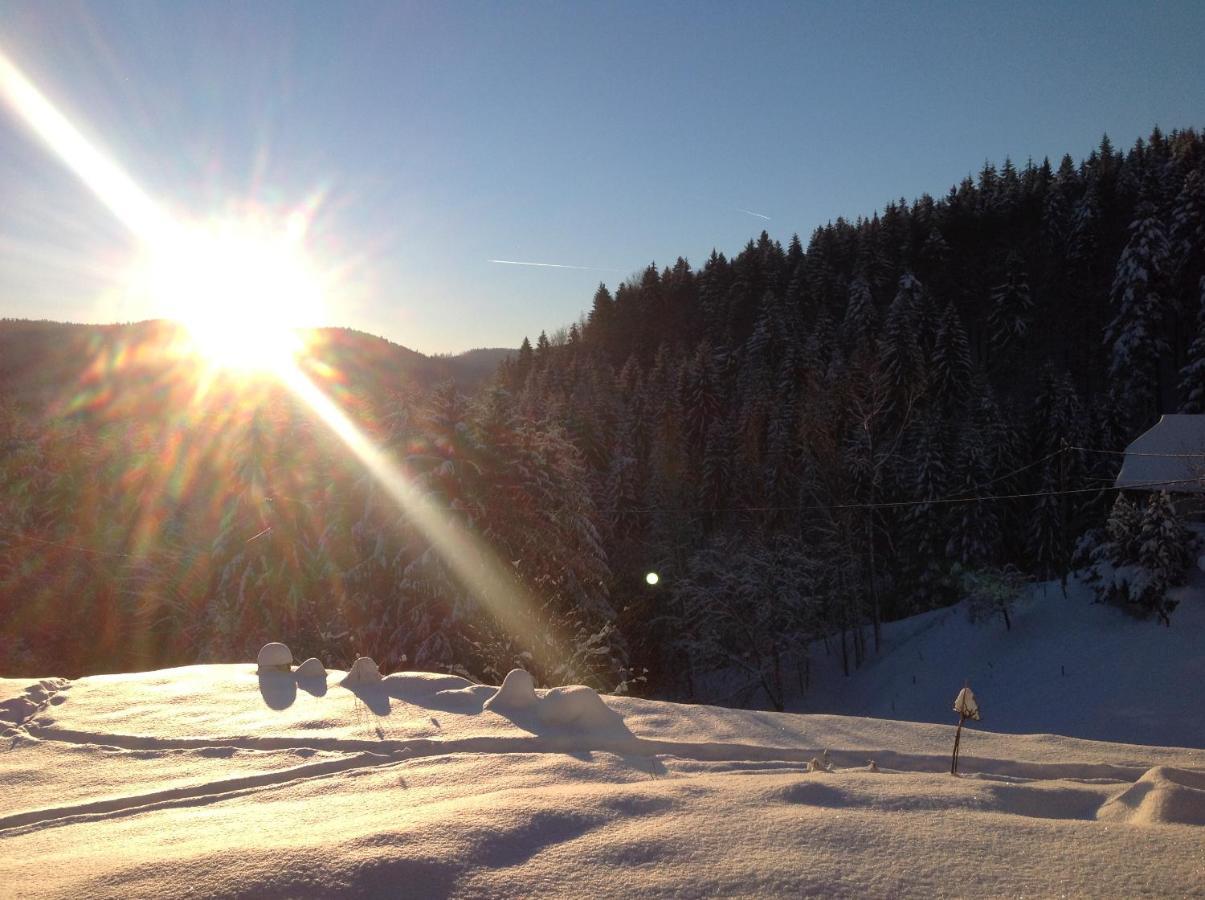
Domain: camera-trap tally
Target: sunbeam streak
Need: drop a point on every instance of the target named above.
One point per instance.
(472, 561)
(211, 267)
(124, 198)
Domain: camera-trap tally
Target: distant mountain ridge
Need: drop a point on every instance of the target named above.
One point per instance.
(40, 360)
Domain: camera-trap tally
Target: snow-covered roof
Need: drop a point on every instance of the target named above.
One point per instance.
(1172, 450)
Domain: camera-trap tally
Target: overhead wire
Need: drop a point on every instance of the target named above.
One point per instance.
(957, 498)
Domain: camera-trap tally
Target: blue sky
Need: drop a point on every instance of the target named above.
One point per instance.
(443, 135)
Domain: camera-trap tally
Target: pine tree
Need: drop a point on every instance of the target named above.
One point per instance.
(926, 525)
(1012, 305)
(702, 399)
(899, 343)
(859, 326)
(600, 323)
(1135, 336)
(1192, 376)
(951, 365)
(975, 538)
(1123, 528)
(1163, 552)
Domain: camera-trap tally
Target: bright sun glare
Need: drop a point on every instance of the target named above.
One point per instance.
(241, 289)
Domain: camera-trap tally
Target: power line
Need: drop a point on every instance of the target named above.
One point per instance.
(960, 497)
(936, 501)
(1133, 453)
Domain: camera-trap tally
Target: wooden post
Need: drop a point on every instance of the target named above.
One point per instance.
(957, 738)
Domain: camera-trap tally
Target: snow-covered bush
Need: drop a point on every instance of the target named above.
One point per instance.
(750, 608)
(1141, 556)
(992, 592)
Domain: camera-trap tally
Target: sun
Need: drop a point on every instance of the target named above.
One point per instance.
(241, 288)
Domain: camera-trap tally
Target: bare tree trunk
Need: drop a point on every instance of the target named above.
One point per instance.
(874, 580)
(844, 650)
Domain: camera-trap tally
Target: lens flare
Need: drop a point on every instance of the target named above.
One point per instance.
(239, 286)
(240, 289)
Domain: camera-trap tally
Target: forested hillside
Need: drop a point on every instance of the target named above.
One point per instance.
(802, 442)
(778, 434)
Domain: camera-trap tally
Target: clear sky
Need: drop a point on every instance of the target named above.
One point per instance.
(440, 136)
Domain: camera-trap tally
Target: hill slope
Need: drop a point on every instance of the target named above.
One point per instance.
(1068, 666)
(41, 362)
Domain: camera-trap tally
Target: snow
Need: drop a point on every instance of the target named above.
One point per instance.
(1181, 438)
(1068, 666)
(518, 691)
(274, 657)
(363, 671)
(576, 705)
(311, 668)
(965, 704)
(222, 780)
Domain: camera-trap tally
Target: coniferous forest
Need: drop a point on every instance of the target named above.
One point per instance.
(802, 441)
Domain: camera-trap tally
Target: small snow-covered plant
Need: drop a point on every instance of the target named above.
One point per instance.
(967, 707)
(992, 592)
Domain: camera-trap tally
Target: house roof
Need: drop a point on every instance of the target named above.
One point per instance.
(1172, 450)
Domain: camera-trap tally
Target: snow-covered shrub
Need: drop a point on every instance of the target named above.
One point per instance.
(992, 592)
(1142, 555)
(750, 608)
(1122, 528)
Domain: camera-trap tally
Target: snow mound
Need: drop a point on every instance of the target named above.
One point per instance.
(518, 691)
(363, 671)
(1163, 796)
(274, 657)
(418, 683)
(311, 668)
(575, 705)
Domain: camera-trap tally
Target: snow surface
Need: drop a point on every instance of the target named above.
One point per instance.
(218, 780)
(1068, 666)
(311, 668)
(518, 691)
(363, 671)
(1181, 441)
(274, 657)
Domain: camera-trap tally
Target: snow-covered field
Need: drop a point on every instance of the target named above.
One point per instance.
(216, 780)
(1067, 666)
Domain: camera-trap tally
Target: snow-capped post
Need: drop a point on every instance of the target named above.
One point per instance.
(967, 708)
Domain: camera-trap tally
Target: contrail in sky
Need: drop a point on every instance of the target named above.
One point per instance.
(515, 262)
(750, 212)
